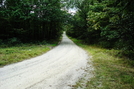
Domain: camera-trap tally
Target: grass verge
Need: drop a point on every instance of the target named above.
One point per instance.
(111, 71)
(13, 54)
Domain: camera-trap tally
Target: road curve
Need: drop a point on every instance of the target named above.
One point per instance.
(57, 69)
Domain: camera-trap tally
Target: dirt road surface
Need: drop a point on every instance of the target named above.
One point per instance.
(59, 68)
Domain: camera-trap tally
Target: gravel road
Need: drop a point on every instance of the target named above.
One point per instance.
(59, 68)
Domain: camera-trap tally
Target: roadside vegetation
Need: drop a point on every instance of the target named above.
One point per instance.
(25, 24)
(112, 71)
(109, 23)
(31, 20)
(11, 54)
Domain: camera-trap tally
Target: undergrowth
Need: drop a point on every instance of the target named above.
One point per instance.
(111, 71)
(20, 52)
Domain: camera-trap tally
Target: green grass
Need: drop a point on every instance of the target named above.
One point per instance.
(9, 55)
(111, 71)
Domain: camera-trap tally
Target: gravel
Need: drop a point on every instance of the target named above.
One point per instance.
(60, 68)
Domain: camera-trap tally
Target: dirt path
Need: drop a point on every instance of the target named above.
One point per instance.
(57, 69)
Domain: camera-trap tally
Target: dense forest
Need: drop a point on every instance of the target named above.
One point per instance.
(30, 20)
(108, 23)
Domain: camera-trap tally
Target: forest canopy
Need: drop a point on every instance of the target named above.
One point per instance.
(109, 23)
(31, 20)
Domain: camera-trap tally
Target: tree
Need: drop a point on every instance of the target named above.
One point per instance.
(106, 23)
(31, 20)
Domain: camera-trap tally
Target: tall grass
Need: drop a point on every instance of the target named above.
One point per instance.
(13, 54)
(111, 71)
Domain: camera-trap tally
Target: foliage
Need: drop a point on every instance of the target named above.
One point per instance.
(12, 54)
(107, 23)
(111, 71)
(31, 20)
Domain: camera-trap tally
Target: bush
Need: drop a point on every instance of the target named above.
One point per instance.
(13, 41)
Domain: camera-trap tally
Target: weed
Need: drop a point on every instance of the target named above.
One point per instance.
(18, 53)
(111, 71)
